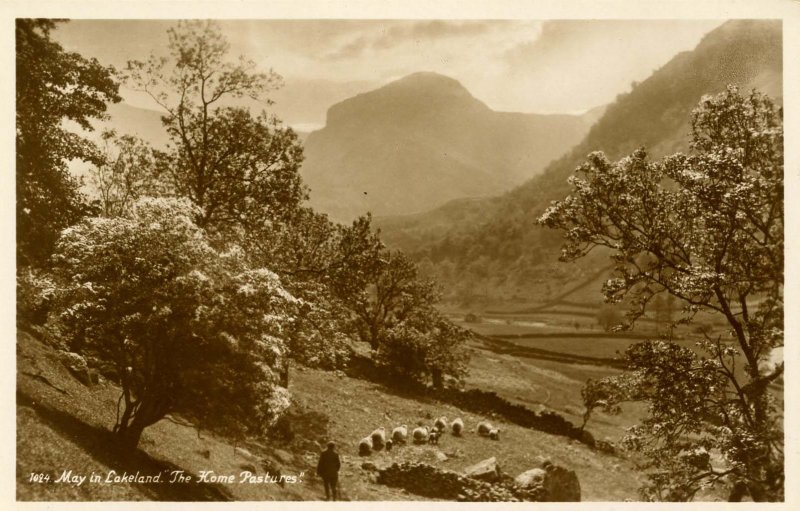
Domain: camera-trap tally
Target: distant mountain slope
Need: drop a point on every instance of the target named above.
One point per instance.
(493, 247)
(144, 123)
(423, 140)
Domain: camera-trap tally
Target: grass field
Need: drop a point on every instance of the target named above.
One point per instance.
(64, 425)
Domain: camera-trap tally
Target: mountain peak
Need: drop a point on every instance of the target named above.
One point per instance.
(428, 80)
(430, 86)
(421, 93)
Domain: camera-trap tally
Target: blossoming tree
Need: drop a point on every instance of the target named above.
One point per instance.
(186, 329)
(707, 229)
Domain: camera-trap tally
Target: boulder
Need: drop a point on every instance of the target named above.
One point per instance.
(369, 466)
(486, 470)
(561, 485)
(531, 478)
(77, 365)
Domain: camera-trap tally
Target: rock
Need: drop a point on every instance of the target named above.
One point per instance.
(530, 478)
(440, 456)
(486, 470)
(561, 485)
(270, 465)
(244, 453)
(205, 453)
(587, 438)
(605, 446)
(368, 465)
(283, 456)
(77, 365)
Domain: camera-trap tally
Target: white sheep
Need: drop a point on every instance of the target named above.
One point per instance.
(484, 428)
(420, 435)
(494, 434)
(378, 439)
(365, 446)
(400, 434)
(458, 426)
(441, 423)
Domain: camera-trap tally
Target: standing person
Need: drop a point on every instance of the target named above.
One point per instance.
(328, 470)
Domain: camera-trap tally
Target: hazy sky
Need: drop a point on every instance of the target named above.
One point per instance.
(523, 66)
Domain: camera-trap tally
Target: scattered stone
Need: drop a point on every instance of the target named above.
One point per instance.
(270, 465)
(441, 457)
(605, 446)
(530, 478)
(368, 465)
(486, 470)
(206, 453)
(244, 453)
(561, 485)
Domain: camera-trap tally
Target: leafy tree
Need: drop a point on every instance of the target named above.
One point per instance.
(241, 170)
(125, 173)
(394, 313)
(327, 266)
(187, 329)
(424, 346)
(607, 393)
(393, 294)
(608, 317)
(706, 228)
(53, 86)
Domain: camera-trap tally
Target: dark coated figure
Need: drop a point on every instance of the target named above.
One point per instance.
(328, 470)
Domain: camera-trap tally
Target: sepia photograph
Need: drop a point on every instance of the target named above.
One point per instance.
(516, 256)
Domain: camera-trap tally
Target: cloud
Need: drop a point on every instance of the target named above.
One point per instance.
(585, 63)
(396, 33)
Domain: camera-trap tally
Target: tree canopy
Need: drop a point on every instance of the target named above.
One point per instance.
(706, 228)
(53, 86)
(186, 328)
(240, 169)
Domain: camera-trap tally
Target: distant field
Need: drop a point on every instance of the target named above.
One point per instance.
(597, 347)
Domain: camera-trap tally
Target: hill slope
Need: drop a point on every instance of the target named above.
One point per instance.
(493, 247)
(423, 140)
(64, 425)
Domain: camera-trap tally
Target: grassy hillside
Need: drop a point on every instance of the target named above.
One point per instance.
(64, 425)
(492, 249)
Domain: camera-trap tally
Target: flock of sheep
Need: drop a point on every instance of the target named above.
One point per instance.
(377, 441)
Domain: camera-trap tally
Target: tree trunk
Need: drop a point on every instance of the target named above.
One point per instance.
(130, 426)
(436, 375)
(129, 436)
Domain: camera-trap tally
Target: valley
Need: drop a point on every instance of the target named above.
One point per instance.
(255, 293)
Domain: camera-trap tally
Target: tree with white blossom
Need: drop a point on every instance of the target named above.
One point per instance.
(708, 229)
(187, 329)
